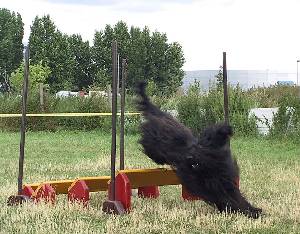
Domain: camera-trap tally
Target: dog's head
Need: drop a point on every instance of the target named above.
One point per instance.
(216, 136)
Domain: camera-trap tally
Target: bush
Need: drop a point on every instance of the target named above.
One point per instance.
(38, 74)
(132, 124)
(191, 110)
(198, 110)
(267, 97)
(12, 104)
(286, 121)
(83, 105)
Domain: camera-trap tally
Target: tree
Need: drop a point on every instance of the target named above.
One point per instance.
(174, 60)
(74, 65)
(219, 77)
(11, 47)
(62, 64)
(51, 48)
(38, 74)
(83, 68)
(137, 56)
(101, 56)
(42, 40)
(167, 61)
(150, 57)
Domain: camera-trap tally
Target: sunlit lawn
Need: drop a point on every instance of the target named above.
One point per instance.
(270, 178)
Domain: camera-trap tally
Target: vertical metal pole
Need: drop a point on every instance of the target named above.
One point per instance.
(114, 118)
(124, 77)
(23, 120)
(226, 108)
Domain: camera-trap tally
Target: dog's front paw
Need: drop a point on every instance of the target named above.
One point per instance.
(254, 212)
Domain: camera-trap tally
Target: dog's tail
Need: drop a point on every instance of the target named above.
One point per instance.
(141, 91)
(144, 104)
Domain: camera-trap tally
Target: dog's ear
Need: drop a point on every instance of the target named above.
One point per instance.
(225, 130)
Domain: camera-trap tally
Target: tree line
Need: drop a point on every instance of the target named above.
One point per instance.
(70, 63)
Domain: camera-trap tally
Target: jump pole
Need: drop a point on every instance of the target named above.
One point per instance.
(111, 205)
(226, 102)
(19, 198)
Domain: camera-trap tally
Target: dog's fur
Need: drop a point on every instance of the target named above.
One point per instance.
(204, 165)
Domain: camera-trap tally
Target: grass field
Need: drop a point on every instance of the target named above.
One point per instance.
(270, 178)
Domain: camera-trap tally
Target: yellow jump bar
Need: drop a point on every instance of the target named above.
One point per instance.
(65, 114)
(94, 184)
(151, 177)
(137, 177)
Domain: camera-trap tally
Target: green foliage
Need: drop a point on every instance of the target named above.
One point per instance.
(76, 66)
(38, 74)
(42, 40)
(132, 124)
(198, 110)
(101, 79)
(286, 121)
(68, 57)
(151, 88)
(219, 77)
(83, 70)
(10, 104)
(11, 47)
(150, 56)
(271, 96)
(190, 109)
(83, 105)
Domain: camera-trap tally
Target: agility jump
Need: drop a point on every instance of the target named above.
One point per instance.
(145, 180)
(120, 183)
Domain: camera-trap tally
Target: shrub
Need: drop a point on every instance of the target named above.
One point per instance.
(38, 74)
(191, 110)
(198, 110)
(83, 105)
(12, 104)
(266, 97)
(286, 121)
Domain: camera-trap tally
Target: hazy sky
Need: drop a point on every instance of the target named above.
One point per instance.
(256, 34)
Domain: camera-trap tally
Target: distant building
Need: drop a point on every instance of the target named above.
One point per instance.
(245, 78)
(286, 82)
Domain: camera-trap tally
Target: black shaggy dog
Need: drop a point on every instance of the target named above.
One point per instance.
(204, 165)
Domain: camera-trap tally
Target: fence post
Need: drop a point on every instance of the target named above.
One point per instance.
(109, 96)
(41, 85)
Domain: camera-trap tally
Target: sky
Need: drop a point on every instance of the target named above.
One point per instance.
(255, 34)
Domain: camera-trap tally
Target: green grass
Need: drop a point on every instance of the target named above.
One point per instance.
(270, 178)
